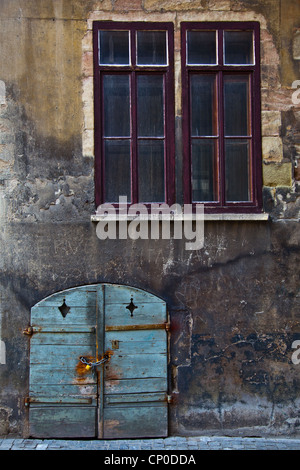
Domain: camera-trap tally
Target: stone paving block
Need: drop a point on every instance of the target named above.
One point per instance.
(169, 444)
(42, 447)
(5, 446)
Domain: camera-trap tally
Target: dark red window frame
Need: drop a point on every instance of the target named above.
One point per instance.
(133, 69)
(220, 69)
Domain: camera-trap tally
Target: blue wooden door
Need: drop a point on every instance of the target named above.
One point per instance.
(126, 396)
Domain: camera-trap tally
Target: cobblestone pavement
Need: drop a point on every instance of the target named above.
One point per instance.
(166, 444)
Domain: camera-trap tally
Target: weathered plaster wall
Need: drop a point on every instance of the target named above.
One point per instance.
(234, 305)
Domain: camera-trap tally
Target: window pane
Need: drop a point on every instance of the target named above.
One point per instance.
(237, 161)
(203, 105)
(236, 102)
(114, 47)
(201, 47)
(151, 48)
(204, 170)
(150, 109)
(116, 120)
(151, 171)
(117, 170)
(238, 47)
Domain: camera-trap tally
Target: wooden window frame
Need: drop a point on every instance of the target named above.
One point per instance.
(220, 69)
(133, 69)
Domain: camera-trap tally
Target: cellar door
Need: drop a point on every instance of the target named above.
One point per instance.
(98, 364)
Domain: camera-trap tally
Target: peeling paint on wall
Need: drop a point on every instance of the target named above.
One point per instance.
(2, 352)
(2, 93)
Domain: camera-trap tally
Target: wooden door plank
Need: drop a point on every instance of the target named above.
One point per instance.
(124, 367)
(146, 313)
(62, 421)
(115, 294)
(62, 355)
(121, 386)
(135, 421)
(123, 399)
(51, 317)
(55, 338)
(83, 297)
(136, 342)
(63, 390)
(47, 374)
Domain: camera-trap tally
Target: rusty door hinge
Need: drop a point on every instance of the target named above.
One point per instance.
(28, 331)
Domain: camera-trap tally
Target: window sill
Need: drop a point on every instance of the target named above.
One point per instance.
(181, 217)
(237, 217)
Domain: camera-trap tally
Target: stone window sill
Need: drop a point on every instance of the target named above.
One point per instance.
(181, 217)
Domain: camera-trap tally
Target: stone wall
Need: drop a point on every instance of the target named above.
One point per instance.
(234, 305)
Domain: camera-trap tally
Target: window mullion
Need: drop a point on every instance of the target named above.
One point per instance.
(220, 48)
(133, 113)
(220, 114)
(134, 157)
(222, 176)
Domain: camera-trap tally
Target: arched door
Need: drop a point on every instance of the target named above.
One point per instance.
(98, 364)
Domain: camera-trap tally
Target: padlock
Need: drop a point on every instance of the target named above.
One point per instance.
(88, 367)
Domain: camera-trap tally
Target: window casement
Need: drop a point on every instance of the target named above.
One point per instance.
(221, 115)
(134, 112)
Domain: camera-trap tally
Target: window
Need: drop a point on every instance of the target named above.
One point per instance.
(135, 115)
(221, 116)
(134, 112)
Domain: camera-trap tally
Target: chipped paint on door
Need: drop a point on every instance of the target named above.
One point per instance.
(124, 397)
(135, 386)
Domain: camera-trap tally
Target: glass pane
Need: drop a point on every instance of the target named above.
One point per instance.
(150, 106)
(116, 119)
(117, 170)
(238, 47)
(151, 48)
(114, 47)
(151, 171)
(204, 170)
(237, 158)
(203, 105)
(201, 47)
(236, 101)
